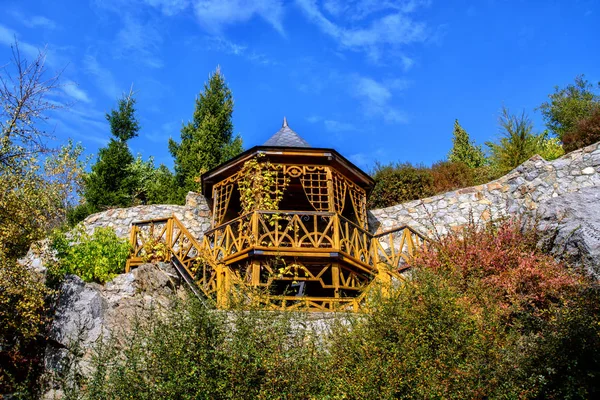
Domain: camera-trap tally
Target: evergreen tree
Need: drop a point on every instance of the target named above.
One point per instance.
(111, 181)
(518, 143)
(463, 150)
(207, 140)
(153, 185)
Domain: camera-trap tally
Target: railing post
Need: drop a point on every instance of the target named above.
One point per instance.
(254, 223)
(336, 232)
(255, 273)
(133, 241)
(223, 286)
(169, 234)
(385, 279)
(330, 191)
(335, 279)
(375, 250)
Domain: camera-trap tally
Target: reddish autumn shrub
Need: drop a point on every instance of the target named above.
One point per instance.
(449, 176)
(504, 262)
(584, 133)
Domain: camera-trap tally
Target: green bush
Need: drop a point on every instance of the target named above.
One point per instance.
(424, 342)
(398, 183)
(193, 353)
(78, 213)
(485, 314)
(94, 258)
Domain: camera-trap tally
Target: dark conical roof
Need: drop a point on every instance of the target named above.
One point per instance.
(286, 137)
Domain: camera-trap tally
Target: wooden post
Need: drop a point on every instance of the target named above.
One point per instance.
(223, 286)
(133, 241)
(254, 222)
(336, 232)
(169, 235)
(384, 278)
(255, 273)
(330, 194)
(335, 278)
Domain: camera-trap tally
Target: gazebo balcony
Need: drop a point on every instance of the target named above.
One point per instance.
(304, 234)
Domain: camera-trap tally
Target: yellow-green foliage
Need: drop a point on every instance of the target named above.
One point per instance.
(28, 205)
(22, 319)
(21, 300)
(258, 186)
(94, 258)
(551, 148)
(155, 250)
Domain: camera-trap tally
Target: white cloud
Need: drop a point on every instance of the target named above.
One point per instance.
(141, 40)
(224, 45)
(104, 78)
(338, 126)
(34, 21)
(7, 35)
(356, 10)
(82, 122)
(166, 131)
(366, 159)
(38, 21)
(371, 90)
(334, 7)
(144, 38)
(407, 62)
(169, 7)
(214, 15)
(30, 51)
(72, 90)
(376, 97)
(332, 125)
(219, 43)
(394, 29)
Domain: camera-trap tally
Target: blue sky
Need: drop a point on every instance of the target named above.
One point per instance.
(378, 80)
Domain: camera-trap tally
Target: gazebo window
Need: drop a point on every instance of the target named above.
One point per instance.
(221, 197)
(314, 183)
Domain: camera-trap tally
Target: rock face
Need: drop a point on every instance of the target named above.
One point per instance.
(563, 194)
(575, 220)
(523, 190)
(195, 215)
(87, 312)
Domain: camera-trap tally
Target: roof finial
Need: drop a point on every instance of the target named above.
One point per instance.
(285, 125)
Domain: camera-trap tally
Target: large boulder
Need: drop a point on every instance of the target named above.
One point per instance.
(86, 313)
(573, 223)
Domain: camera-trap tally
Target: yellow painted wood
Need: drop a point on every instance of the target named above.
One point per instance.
(313, 245)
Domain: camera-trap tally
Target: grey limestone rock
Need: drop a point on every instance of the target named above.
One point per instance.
(568, 185)
(574, 219)
(86, 313)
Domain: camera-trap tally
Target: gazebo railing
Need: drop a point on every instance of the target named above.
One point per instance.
(278, 233)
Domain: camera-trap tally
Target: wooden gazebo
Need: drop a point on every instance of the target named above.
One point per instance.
(312, 251)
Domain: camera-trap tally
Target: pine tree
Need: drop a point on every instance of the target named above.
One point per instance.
(463, 150)
(111, 182)
(207, 140)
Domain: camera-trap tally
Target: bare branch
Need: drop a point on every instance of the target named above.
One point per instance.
(24, 90)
